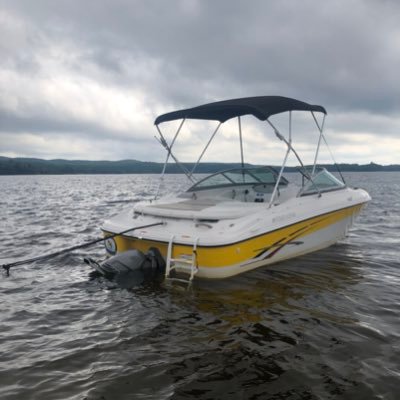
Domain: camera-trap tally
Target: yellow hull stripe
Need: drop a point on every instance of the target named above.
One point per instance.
(222, 256)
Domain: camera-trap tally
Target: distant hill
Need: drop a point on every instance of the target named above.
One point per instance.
(36, 166)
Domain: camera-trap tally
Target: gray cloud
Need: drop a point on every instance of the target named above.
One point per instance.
(174, 54)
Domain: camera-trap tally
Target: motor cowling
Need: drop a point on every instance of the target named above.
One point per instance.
(132, 267)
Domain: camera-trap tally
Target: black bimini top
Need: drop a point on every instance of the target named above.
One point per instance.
(262, 107)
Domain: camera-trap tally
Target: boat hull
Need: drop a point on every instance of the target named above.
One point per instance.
(222, 261)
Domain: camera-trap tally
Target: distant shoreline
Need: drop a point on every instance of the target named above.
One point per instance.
(36, 166)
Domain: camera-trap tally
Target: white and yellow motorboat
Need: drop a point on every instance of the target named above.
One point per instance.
(236, 220)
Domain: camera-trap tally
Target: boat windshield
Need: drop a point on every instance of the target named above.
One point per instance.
(324, 181)
(239, 176)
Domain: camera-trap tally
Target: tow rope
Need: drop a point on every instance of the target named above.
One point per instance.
(7, 267)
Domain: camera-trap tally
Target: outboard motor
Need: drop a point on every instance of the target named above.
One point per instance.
(132, 267)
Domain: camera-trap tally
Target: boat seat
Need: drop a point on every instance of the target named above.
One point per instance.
(200, 209)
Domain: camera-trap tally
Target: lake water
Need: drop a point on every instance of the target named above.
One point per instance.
(323, 326)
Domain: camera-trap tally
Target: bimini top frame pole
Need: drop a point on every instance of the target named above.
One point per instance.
(168, 147)
(284, 160)
(205, 149)
(320, 128)
(241, 142)
(322, 136)
(290, 147)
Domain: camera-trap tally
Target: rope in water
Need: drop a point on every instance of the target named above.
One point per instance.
(69, 249)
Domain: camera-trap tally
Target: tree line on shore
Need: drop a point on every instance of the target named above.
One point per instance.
(35, 166)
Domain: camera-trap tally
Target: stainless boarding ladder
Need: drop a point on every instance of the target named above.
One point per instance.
(183, 264)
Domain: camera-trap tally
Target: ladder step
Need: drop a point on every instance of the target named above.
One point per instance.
(186, 268)
(186, 281)
(182, 260)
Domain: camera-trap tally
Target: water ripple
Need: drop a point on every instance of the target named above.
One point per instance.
(323, 326)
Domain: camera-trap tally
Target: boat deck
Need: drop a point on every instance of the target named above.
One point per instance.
(200, 209)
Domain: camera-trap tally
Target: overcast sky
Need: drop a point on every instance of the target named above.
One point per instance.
(86, 79)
